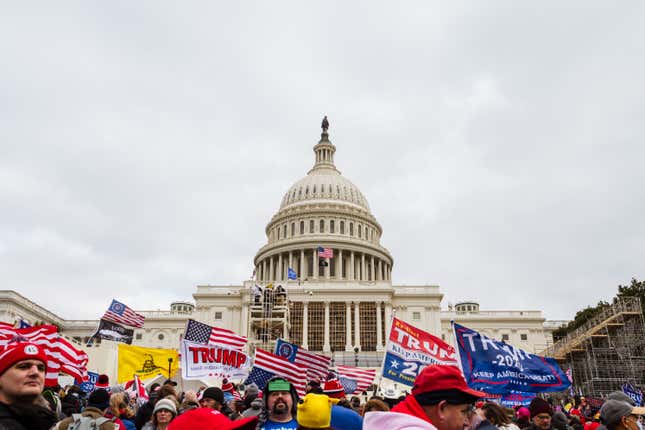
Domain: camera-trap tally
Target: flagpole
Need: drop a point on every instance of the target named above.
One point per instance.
(380, 379)
(456, 345)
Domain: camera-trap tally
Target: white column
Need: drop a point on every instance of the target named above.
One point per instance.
(348, 326)
(244, 326)
(379, 272)
(302, 273)
(327, 268)
(351, 266)
(271, 273)
(314, 259)
(305, 323)
(326, 346)
(280, 270)
(357, 325)
(379, 324)
(339, 264)
(372, 269)
(388, 319)
(290, 262)
(363, 274)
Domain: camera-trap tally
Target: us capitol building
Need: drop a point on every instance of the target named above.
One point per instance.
(341, 306)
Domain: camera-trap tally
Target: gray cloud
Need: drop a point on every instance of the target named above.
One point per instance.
(145, 146)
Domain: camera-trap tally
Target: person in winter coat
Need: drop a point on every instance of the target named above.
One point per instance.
(22, 377)
(440, 400)
(119, 407)
(497, 416)
(97, 405)
(541, 415)
(165, 411)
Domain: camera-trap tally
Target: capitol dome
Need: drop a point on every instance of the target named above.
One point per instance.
(323, 210)
(324, 183)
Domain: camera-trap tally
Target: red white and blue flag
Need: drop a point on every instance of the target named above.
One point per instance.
(267, 365)
(355, 380)
(122, 314)
(325, 252)
(203, 333)
(62, 356)
(317, 366)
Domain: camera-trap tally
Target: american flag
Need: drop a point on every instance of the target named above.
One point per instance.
(136, 386)
(317, 366)
(203, 333)
(355, 377)
(62, 356)
(325, 252)
(122, 314)
(267, 365)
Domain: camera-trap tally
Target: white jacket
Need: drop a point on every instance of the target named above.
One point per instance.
(394, 421)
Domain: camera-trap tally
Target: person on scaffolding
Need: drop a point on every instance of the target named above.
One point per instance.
(280, 295)
(257, 294)
(268, 299)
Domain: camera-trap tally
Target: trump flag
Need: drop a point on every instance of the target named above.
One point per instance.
(499, 368)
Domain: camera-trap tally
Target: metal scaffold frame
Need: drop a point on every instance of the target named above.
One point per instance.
(607, 351)
(268, 317)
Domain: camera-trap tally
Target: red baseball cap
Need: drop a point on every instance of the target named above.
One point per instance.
(210, 419)
(447, 382)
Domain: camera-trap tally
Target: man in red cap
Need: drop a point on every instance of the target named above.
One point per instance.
(440, 400)
(22, 378)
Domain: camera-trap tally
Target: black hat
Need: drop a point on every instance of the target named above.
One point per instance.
(99, 399)
(170, 382)
(213, 393)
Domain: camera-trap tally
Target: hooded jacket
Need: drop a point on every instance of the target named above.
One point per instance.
(408, 415)
(264, 415)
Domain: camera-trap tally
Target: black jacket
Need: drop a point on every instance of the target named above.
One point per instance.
(28, 417)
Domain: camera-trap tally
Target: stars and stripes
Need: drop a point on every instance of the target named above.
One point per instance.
(203, 333)
(61, 354)
(325, 252)
(267, 365)
(355, 377)
(122, 314)
(316, 366)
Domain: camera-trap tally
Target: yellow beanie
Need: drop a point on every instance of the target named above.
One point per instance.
(314, 411)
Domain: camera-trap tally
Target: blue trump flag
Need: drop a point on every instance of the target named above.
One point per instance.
(498, 368)
(291, 274)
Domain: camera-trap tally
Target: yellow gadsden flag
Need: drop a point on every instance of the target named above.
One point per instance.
(146, 362)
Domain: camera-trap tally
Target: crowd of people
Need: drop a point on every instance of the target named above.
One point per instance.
(439, 400)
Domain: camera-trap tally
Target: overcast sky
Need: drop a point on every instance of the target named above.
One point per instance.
(144, 146)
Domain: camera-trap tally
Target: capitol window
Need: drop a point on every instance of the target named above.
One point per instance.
(278, 233)
(293, 229)
(351, 229)
(322, 225)
(505, 337)
(284, 231)
(524, 336)
(416, 316)
(139, 336)
(342, 227)
(311, 226)
(314, 192)
(365, 233)
(302, 227)
(218, 315)
(160, 336)
(359, 230)
(331, 226)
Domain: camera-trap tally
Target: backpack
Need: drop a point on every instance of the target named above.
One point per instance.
(87, 423)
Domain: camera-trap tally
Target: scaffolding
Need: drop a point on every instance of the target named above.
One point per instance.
(268, 317)
(607, 351)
